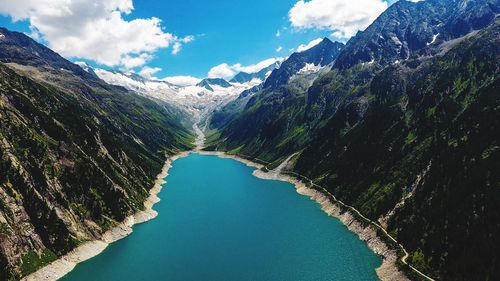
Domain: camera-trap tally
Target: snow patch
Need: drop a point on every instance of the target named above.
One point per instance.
(368, 63)
(434, 37)
(83, 65)
(310, 68)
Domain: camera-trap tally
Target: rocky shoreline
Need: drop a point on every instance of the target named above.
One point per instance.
(90, 249)
(388, 271)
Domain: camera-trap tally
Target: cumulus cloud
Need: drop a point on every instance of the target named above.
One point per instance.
(304, 47)
(149, 72)
(182, 80)
(223, 70)
(129, 62)
(94, 30)
(279, 49)
(343, 17)
(227, 71)
(176, 48)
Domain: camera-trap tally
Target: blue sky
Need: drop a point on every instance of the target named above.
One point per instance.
(204, 34)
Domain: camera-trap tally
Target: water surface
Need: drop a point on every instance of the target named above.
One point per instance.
(217, 222)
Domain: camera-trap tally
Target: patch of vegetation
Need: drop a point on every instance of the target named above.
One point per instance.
(31, 261)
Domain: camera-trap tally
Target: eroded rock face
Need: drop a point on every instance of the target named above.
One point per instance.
(18, 235)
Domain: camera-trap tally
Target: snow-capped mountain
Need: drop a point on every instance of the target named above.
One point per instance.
(198, 100)
(262, 74)
(207, 82)
(307, 61)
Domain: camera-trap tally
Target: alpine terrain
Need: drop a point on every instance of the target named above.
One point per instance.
(395, 131)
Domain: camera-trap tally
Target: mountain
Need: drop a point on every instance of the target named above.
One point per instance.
(322, 54)
(243, 77)
(87, 68)
(421, 158)
(296, 73)
(408, 29)
(77, 155)
(20, 49)
(194, 102)
(226, 113)
(207, 83)
(401, 125)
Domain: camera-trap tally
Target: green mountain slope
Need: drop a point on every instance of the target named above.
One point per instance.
(76, 155)
(431, 135)
(411, 143)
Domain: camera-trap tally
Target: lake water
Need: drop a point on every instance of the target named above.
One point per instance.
(218, 222)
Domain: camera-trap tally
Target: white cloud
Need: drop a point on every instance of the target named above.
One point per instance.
(259, 66)
(176, 48)
(278, 33)
(227, 71)
(344, 17)
(304, 47)
(129, 62)
(182, 80)
(223, 71)
(94, 30)
(279, 49)
(148, 72)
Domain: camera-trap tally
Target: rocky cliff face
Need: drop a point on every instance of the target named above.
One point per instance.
(76, 154)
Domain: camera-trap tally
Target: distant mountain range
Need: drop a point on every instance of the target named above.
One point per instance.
(402, 123)
(198, 101)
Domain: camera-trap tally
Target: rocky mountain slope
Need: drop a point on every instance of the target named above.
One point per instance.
(404, 127)
(320, 55)
(77, 155)
(296, 74)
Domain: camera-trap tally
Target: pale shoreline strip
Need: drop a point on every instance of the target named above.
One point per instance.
(90, 249)
(387, 271)
(65, 264)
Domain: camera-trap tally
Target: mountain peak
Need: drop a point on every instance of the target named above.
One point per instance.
(16, 47)
(322, 54)
(207, 83)
(326, 40)
(243, 77)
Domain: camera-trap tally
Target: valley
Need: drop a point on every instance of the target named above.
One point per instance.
(394, 132)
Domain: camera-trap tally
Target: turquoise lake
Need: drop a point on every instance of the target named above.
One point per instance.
(218, 222)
